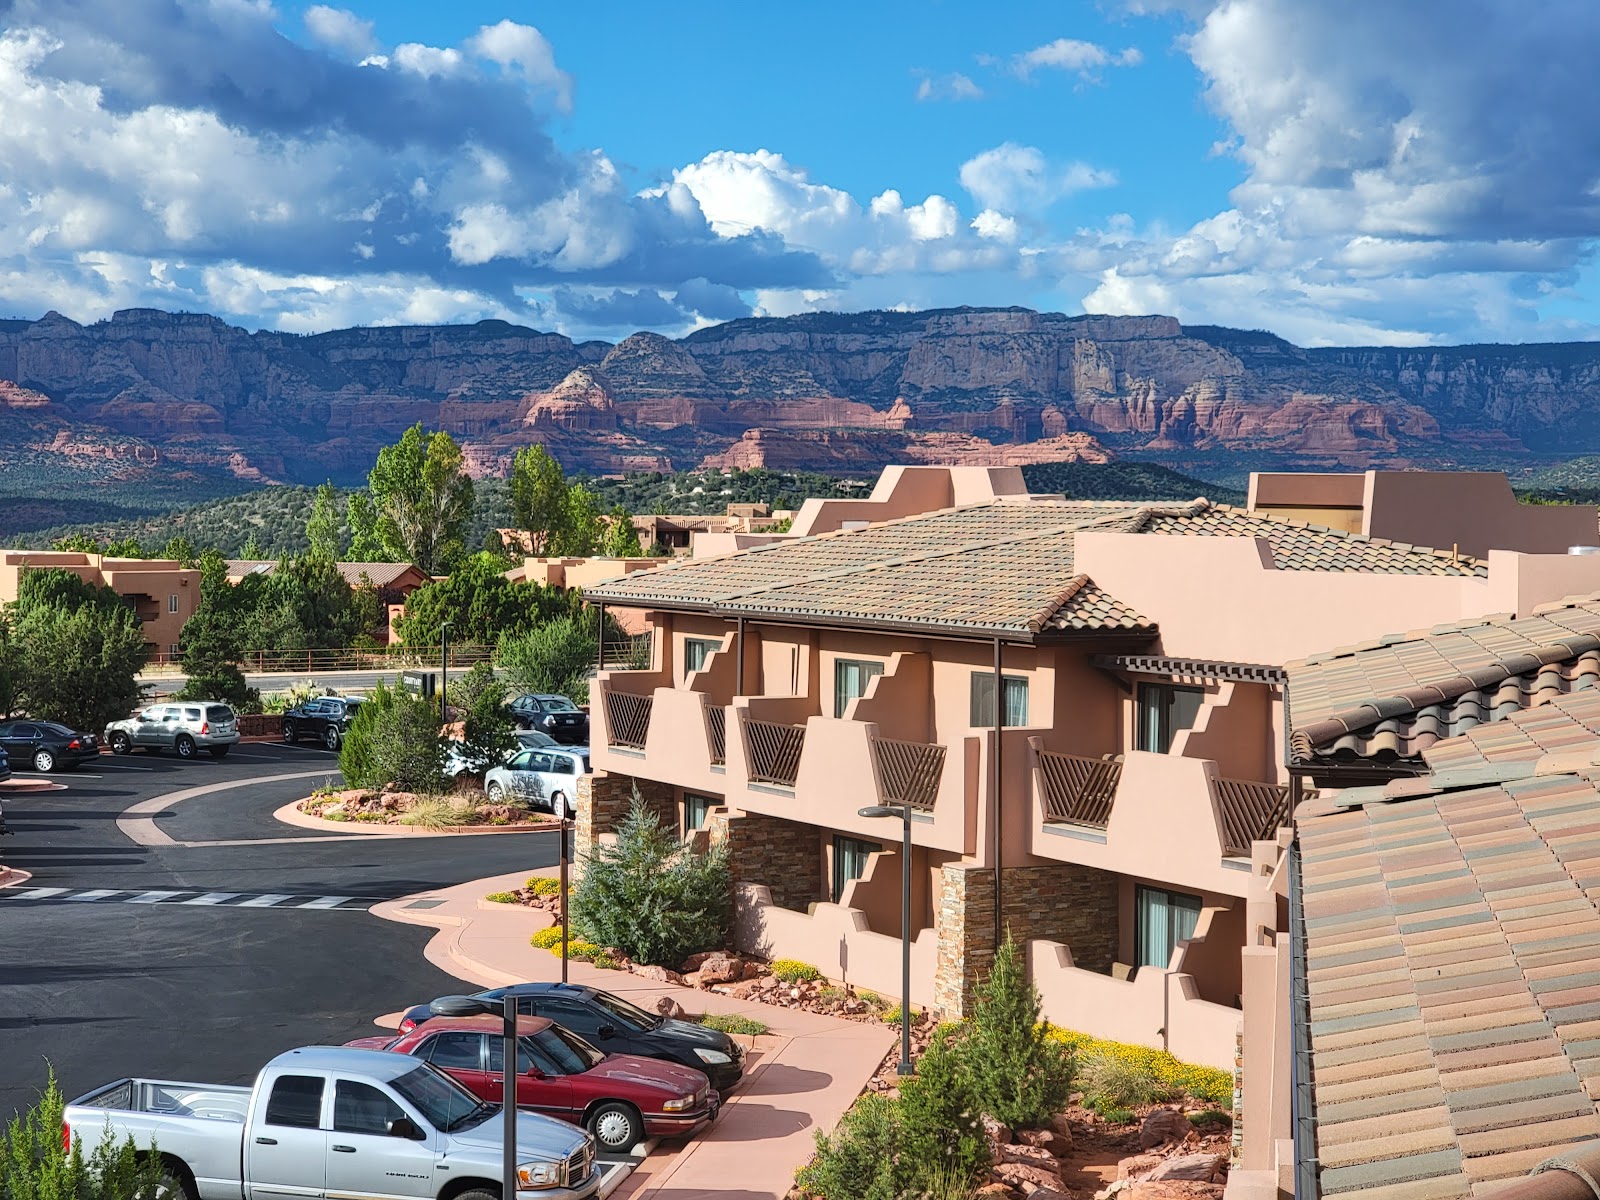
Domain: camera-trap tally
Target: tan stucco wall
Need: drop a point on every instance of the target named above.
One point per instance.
(150, 583)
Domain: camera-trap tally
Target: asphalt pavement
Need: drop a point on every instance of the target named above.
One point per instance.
(164, 683)
(202, 959)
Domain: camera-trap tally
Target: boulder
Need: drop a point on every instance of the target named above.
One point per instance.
(1021, 1175)
(1196, 1168)
(997, 1133)
(993, 1190)
(692, 963)
(694, 979)
(669, 1008)
(1169, 1189)
(1058, 1146)
(721, 968)
(1163, 1125)
(659, 974)
(1032, 1156)
(1135, 1166)
(1061, 1126)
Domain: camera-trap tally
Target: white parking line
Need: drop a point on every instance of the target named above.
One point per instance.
(122, 766)
(152, 897)
(212, 898)
(263, 901)
(98, 894)
(324, 902)
(37, 893)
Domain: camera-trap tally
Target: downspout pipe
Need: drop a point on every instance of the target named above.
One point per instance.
(738, 659)
(1303, 1105)
(999, 806)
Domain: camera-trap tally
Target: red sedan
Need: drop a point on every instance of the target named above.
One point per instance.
(619, 1098)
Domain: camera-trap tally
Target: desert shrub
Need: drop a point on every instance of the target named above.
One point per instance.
(546, 937)
(487, 730)
(555, 656)
(394, 738)
(438, 812)
(1020, 1076)
(1116, 1116)
(891, 1015)
(603, 962)
(792, 970)
(860, 1160)
(651, 896)
(871, 999)
(543, 885)
(734, 1023)
(1210, 1120)
(35, 1163)
(503, 898)
(1202, 1083)
(941, 1118)
(829, 994)
(1111, 1082)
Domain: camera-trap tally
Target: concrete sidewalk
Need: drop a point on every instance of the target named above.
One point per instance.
(799, 1078)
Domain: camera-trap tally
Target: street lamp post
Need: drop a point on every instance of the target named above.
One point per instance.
(565, 932)
(467, 1006)
(444, 669)
(903, 811)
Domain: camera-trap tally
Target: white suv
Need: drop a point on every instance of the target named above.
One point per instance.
(539, 779)
(185, 729)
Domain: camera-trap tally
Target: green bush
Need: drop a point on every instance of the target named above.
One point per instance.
(555, 656)
(543, 885)
(545, 938)
(792, 970)
(438, 812)
(651, 896)
(1211, 1120)
(488, 734)
(942, 1118)
(503, 898)
(891, 1015)
(1116, 1116)
(36, 1165)
(1202, 1083)
(861, 1160)
(1112, 1082)
(1020, 1077)
(734, 1023)
(603, 962)
(394, 738)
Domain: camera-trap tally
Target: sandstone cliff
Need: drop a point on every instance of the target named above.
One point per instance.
(819, 390)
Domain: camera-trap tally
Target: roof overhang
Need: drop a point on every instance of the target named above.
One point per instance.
(1193, 668)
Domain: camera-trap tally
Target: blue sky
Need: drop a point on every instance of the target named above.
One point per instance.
(1339, 171)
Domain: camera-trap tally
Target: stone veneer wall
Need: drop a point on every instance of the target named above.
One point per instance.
(604, 800)
(784, 856)
(1056, 902)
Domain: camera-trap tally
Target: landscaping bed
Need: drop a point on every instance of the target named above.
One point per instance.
(451, 810)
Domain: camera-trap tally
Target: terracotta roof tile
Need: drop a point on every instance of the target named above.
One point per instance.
(1000, 567)
(1475, 1052)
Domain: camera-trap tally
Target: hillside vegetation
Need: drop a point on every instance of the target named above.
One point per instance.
(276, 516)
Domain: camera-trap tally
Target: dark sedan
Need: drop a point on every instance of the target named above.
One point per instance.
(555, 715)
(45, 745)
(617, 1027)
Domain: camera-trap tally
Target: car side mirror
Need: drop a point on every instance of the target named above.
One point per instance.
(533, 1072)
(607, 1031)
(405, 1127)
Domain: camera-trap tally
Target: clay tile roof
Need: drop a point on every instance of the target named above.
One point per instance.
(1568, 724)
(997, 568)
(1394, 698)
(381, 574)
(1454, 995)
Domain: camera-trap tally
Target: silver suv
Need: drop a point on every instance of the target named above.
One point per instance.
(185, 729)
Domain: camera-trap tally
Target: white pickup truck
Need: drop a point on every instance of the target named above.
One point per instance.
(335, 1123)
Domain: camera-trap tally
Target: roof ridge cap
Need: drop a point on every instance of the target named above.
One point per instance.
(1073, 586)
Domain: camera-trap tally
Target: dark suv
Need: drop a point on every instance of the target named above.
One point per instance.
(327, 719)
(555, 715)
(615, 1026)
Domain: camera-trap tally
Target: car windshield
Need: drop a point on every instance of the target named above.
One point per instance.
(444, 1102)
(557, 704)
(630, 1015)
(569, 1052)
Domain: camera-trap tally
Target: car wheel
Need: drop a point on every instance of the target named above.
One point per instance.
(43, 761)
(173, 1185)
(616, 1126)
(219, 751)
(330, 738)
(496, 794)
(184, 746)
(478, 1194)
(290, 734)
(120, 744)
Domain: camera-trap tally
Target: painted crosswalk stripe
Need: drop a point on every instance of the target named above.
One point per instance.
(212, 898)
(154, 897)
(97, 894)
(324, 902)
(263, 901)
(33, 893)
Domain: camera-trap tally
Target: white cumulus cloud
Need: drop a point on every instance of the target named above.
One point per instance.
(339, 29)
(1084, 59)
(1019, 178)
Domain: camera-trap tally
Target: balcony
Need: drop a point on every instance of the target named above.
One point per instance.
(908, 772)
(773, 751)
(717, 732)
(627, 719)
(1101, 813)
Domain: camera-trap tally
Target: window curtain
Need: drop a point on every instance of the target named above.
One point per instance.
(1014, 705)
(1163, 920)
(850, 679)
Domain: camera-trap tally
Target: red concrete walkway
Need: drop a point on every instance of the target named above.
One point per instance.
(799, 1077)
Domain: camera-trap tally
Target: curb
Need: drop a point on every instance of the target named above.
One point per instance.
(13, 876)
(22, 787)
(289, 814)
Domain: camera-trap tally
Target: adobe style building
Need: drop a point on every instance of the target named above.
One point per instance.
(162, 592)
(1087, 695)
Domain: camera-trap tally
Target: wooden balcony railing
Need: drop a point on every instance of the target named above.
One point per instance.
(1250, 812)
(627, 719)
(908, 771)
(774, 751)
(1078, 789)
(717, 731)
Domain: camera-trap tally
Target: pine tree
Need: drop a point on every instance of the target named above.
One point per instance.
(941, 1118)
(1020, 1077)
(322, 526)
(622, 539)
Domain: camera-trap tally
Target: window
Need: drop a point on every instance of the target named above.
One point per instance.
(571, 1014)
(849, 862)
(1162, 919)
(219, 713)
(520, 761)
(1164, 712)
(696, 809)
(456, 1051)
(540, 761)
(174, 649)
(172, 604)
(850, 679)
(362, 1108)
(296, 1101)
(569, 1053)
(497, 1055)
(1016, 699)
(697, 650)
(562, 764)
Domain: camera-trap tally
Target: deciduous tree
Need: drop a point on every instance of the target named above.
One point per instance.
(323, 529)
(539, 498)
(423, 499)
